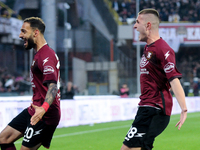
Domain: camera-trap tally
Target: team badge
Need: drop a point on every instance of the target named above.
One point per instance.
(149, 55)
(33, 63)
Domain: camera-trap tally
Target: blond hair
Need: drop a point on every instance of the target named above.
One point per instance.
(150, 11)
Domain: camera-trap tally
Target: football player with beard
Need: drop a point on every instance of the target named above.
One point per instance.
(37, 123)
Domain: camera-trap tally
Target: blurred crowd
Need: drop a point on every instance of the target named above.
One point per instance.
(171, 11)
(6, 12)
(9, 83)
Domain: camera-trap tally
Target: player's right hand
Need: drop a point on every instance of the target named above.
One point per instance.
(39, 112)
(182, 119)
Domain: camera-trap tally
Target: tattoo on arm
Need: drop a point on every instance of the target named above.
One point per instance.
(51, 93)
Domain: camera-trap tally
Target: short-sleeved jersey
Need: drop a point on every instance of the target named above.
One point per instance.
(157, 69)
(45, 69)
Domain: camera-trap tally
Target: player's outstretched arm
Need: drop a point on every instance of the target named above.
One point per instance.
(40, 111)
(180, 96)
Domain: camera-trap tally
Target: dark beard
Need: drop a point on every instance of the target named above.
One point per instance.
(31, 44)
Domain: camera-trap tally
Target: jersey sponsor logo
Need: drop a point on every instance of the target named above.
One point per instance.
(37, 132)
(45, 60)
(48, 70)
(167, 55)
(169, 67)
(143, 61)
(144, 71)
(140, 134)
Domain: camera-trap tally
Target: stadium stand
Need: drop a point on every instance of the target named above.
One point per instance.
(89, 27)
(170, 11)
(7, 12)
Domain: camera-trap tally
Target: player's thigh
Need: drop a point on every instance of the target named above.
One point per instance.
(157, 126)
(15, 129)
(41, 134)
(124, 147)
(159, 123)
(139, 128)
(9, 135)
(32, 148)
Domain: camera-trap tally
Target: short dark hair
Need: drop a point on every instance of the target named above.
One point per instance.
(36, 22)
(150, 11)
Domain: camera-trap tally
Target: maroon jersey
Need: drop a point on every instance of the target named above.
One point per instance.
(157, 69)
(45, 69)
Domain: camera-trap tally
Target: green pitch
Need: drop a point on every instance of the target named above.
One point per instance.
(109, 136)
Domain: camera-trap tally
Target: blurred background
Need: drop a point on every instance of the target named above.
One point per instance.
(96, 43)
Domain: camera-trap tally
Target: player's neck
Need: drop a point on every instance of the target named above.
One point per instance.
(152, 40)
(40, 44)
(153, 36)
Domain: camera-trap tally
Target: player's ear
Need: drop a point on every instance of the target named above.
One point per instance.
(148, 25)
(36, 32)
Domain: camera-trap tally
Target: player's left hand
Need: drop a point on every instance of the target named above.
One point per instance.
(39, 112)
(182, 119)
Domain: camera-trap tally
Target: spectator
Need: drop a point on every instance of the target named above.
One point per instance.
(124, 12)
(76, 89)
(116, 6)
(196, 86)
(2, 89)
(124, 19)
(186, 86)
(174, 17)
(9, 84)
(124, 91)
(192, 16)
(14, 14)
(125, 4)
(23, 85)
(5, 13)
(69, 91)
